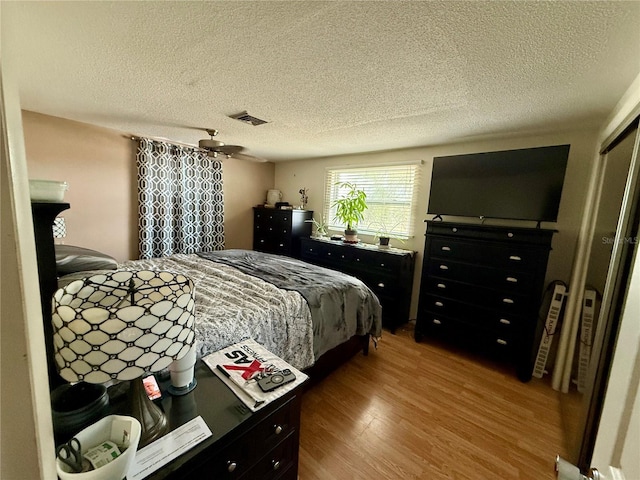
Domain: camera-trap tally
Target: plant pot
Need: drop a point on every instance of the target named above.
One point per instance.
(384, 241)
(351, 236)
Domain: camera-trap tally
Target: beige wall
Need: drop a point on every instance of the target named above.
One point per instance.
(291, 176)
(99, 165)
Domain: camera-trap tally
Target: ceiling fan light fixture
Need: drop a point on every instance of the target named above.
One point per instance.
(214, 147)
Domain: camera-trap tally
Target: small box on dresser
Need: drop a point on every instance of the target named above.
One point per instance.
(386, 271)
(482, 287)
(279, 230)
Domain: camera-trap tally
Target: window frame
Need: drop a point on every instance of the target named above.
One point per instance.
(364, 176)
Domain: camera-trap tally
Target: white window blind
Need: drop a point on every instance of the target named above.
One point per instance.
(391, 190)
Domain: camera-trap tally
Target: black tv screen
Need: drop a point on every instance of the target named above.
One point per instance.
(523, 184)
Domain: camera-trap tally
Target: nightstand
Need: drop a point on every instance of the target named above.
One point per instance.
(245, 445)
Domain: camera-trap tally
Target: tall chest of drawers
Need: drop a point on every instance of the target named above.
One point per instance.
(279, 231)
(482, 287)
(387, 272)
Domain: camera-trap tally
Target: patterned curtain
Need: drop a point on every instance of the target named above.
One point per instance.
(180, 200)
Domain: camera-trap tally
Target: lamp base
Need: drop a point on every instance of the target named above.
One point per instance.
(152, 419)
(182, 390)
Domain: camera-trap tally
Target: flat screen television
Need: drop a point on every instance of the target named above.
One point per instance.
(523, 184)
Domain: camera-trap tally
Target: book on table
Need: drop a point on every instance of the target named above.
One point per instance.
(253, 373)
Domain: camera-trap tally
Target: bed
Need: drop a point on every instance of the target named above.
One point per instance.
(312, 317)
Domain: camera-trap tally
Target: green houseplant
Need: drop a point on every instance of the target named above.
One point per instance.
(350, 208)
(384, 234)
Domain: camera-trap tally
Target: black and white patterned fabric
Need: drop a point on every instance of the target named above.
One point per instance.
(180, 200)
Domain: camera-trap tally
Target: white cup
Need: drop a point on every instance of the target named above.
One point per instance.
(182, 369)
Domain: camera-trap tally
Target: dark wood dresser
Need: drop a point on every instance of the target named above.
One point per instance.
(388, 272)
(279, 231)
(244, 445)
(44, 213)
(482, 288)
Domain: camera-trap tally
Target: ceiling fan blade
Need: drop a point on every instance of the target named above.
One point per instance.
(230, 149)
(250, 158)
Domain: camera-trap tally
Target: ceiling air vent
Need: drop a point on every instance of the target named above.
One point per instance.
(246, 118)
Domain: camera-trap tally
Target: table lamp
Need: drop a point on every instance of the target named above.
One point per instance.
(121, 325)
(59, 227)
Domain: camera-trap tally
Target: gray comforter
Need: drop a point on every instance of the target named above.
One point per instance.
(341, 305)
(233, 305)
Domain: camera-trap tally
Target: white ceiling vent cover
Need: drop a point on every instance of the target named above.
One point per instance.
(246, 118)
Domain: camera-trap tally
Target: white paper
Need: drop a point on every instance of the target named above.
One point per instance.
(157, 454)
(245, 353)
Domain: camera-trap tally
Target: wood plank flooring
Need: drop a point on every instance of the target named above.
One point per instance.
(423, 411)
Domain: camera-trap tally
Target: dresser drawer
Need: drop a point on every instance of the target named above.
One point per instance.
(276, 461)
(509, 280)
(275, 427)
(502, 234)
(495, 342)
(502, 300)
(513, 257)
(495, 319)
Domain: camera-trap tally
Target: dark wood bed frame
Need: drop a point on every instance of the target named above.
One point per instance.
(336, 357)
(43, 217)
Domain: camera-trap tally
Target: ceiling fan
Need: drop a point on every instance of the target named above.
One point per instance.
(215, 147)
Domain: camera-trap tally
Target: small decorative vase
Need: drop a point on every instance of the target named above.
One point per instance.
(384, 241)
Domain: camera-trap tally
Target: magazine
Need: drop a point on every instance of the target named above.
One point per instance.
(253, 373)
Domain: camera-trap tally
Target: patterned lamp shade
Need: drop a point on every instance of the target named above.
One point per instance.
(59, 228)
(121, 325)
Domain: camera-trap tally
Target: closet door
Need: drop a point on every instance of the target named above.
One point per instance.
(609, 272)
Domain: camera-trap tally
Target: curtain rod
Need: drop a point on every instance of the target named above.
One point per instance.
(137, 138)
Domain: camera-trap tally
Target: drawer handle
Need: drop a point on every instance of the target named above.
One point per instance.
(328, 254)
(261, 241)
(510, 235)
(508, 300)
(444, 267)
(501, 341)
(504, 321)
(231, 466)
(382, 264)
(454, 229)
(311, 249)
(441, 285)
(277, 429)
(282, 244)
(446, 249)
(515, 258)
(437, 322)
(439, 304)
(381, 285)
(512, 279)
(276, 464)
(341, 256)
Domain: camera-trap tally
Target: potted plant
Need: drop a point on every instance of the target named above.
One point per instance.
(349, 209)
(384, 234)
(321, 227)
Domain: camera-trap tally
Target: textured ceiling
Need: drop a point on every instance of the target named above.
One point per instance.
(331, 77)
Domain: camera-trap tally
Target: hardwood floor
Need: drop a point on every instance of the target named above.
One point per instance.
(422, 411)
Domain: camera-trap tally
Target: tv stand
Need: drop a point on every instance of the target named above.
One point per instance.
(482, 286)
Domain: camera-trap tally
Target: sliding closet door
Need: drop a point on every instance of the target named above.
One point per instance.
(613, 247)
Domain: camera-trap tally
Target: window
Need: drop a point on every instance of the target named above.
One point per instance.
(391, 190)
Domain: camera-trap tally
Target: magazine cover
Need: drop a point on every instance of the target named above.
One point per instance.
(253, 373)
